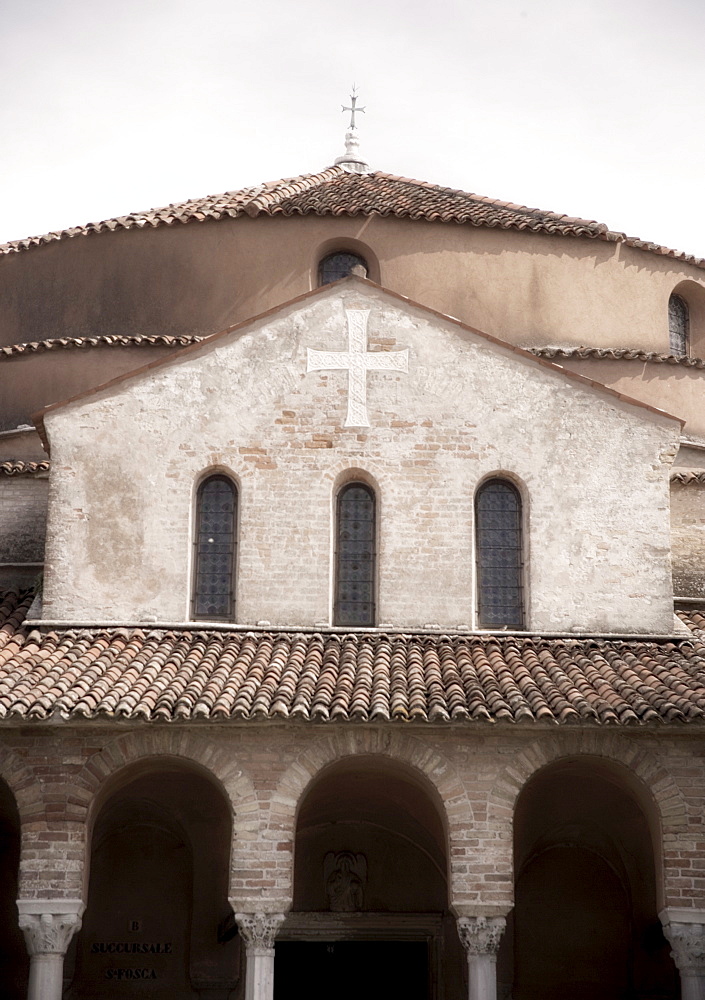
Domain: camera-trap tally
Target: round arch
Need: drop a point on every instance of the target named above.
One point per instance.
(653, 787)
(344, 244)
(436, 772)
(116, 763)
(14, 960)
(693, 294)
(18, 777)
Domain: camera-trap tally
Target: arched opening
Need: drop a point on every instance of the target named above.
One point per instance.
(355, 556)
(585, 923)
(157, 919)
(678, 325)
(341, 264)
(686, 319)
(215, 550)
(370, 889)
(14, 959)
(499, 554)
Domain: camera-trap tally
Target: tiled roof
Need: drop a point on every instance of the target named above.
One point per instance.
(334, 191)
(213, 675)
(20, 468)
(689, 478)
(695, 620)
(616, 354)
(57, 343)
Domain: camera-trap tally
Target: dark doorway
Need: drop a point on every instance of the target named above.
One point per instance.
(350, 970)
(585, 921)
(14, 960)
(157, 894)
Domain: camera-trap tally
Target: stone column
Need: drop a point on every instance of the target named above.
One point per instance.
(48, 926)
(258, 931)
(480, 937)
(685, 931)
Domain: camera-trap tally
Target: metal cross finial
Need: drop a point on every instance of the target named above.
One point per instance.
(352, 109)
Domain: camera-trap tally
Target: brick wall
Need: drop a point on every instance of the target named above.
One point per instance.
(23, 516)
(688, 539)
(62, 777)
(126, 464)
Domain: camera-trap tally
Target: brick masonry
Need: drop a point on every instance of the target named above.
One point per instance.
(688, 539)
(120, 543)
(23, 515)
(61, 778)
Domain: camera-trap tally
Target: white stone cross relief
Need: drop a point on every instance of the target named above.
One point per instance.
(357, 361)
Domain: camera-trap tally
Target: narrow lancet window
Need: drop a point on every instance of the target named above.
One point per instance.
(215, 540)
(498, 525)
(678, 323)
(355, 557)
(340, 265)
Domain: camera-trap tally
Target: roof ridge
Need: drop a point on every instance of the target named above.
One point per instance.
(105, 340)
(20, 467)
(376, 194)
(618, 354)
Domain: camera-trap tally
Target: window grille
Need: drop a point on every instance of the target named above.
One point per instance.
(339, 265)
(355, 556)
(216, 519)
(678, 322)
(498, 526)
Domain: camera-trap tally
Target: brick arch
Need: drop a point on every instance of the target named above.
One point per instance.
(133, 748)
(335, 473)
(25, 788)
(657, 783)
(615, 748)
(457, 813)
(42, 833)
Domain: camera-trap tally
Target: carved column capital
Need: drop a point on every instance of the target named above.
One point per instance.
(48, 925)
(687, 942)
(259, 930)
(481, 935)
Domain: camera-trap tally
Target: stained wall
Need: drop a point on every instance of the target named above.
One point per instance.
(127, 461)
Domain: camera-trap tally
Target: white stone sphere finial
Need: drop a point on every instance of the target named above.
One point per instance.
(351, 159)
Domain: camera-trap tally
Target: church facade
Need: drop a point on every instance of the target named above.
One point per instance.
(351, 626)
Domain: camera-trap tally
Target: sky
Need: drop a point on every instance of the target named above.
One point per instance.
(593, 108)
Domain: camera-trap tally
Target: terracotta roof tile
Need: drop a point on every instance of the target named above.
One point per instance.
(186, 674)
(689, 477)
(334, 191)
(137, 340)
(17, 467)
(616, 354)
(695, 620)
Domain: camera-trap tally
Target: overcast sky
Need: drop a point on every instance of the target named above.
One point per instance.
(588, 107)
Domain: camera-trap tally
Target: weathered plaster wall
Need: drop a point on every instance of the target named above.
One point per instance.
(593, 471)
(32, 381)
(199, 278)
(61, 776)
(673, 388)
(688, 539)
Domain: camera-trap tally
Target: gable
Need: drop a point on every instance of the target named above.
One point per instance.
(354, 378)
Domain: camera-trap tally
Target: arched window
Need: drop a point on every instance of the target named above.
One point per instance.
(678, 323)
(355, 556)
(339, 265)
(498, 526)
(215, 541)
